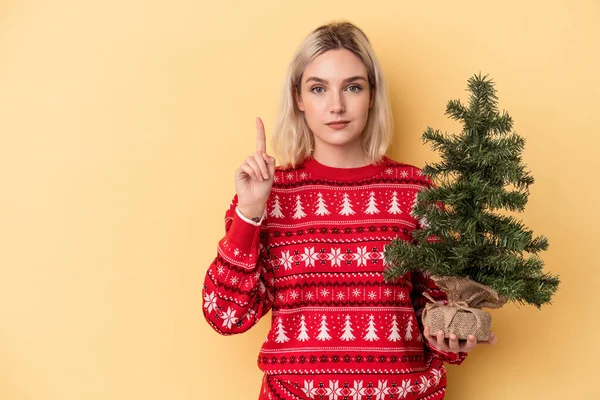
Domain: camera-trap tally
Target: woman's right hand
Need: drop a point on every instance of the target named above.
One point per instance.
(254, 178)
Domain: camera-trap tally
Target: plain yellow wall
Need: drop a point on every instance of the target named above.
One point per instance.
(122, 123)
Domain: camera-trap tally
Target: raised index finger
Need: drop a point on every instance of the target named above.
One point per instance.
(261, 140)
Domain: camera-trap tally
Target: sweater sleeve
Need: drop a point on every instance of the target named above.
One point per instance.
(422, 283)
(238, 286)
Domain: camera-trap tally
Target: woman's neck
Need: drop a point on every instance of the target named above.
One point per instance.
(341, 157)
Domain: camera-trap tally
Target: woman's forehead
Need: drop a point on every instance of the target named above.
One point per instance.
(334, 66)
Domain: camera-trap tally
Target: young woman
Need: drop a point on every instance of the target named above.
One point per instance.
(306, 240)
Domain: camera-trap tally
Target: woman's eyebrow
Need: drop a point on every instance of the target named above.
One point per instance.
(351, 79)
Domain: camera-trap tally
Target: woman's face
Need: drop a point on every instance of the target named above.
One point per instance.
(334, 87)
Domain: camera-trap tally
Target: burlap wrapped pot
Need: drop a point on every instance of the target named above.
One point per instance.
(462, 315)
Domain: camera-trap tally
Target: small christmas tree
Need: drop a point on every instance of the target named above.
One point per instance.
(372, 205)
(461, 236)
(394, 205)
(299, 210)
(394, 332)
(281, 332)
(321, 206)
(347, 332)
(409, 328)
(346, 206)
(370, 334)
(276, 212)
(303, 332)
(323, 329)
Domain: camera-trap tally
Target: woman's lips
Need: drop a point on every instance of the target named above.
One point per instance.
(338, 126)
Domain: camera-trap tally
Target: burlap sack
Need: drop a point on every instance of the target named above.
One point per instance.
(463, 315)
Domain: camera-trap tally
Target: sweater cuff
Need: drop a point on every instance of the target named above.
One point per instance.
(448, 356)
(241, 245)
(248, 220)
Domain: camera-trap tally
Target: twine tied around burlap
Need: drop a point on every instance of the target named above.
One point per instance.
(462, 315)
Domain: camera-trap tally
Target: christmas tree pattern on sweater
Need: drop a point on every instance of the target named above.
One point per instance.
(316, 262)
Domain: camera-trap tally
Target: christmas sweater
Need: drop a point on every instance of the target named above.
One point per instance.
(316, 261)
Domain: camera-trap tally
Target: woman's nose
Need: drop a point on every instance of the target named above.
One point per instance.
(337, 103)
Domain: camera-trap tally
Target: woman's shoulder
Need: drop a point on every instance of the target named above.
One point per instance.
(405, 173)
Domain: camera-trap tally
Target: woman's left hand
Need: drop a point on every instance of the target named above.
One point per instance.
(452, 344)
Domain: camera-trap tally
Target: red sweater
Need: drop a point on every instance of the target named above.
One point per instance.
(338, 330)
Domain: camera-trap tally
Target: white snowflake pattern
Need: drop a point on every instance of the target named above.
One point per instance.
(303, 175)
(324, 292)
(234, 280)
(383, 389)
(358, 387)
(290, 175)
(404, 389)
(275, 178)
(358, 390)
(236, 252)
(309, 295)
(388, 171)
(210, 301)
(361, 255)
(280, 296)
(336, 257)
(310, 256)
(229, 318)
(340, 296)
(356, 292)
(404, 174)
(387, 292)
(309, 389)
(287, 259)
(422, 386)
(401, 296)
(220, 270)
(294, 295)
(372, 295)
(437, 376)
(250, 314)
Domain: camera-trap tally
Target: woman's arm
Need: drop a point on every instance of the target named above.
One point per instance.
(238, 286)
(422, 283)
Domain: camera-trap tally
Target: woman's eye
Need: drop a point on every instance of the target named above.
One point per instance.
(353, 88)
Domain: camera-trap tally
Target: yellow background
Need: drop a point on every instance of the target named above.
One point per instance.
(122, 123)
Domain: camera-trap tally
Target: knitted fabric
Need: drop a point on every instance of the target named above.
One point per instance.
(316, 261)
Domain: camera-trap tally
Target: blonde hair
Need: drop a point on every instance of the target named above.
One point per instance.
(292, 139)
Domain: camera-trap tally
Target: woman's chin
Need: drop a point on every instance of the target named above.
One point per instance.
(339, 140)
